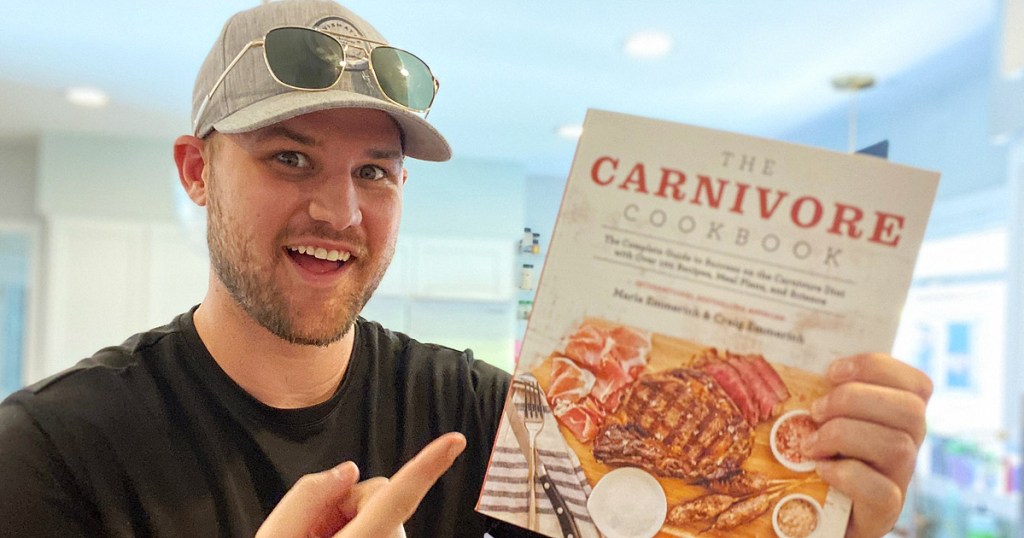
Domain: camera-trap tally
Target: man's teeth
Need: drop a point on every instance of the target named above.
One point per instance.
(321, 253)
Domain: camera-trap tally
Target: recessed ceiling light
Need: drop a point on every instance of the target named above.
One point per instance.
(570, 132)
(87, 96)
(648, 44)
(1002, 139)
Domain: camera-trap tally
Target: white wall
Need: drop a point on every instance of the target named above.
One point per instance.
(95, 176)
(460, 223)
(465, 197)
(17, 179)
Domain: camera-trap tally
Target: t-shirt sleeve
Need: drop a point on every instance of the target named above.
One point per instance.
(491, 385)
(39, 494)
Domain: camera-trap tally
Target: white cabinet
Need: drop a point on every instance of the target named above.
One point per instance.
(450, 269)
(455, 292)
(108, 279)
(466, 269)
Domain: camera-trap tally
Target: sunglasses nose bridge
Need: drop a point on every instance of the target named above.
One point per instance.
(353, 58)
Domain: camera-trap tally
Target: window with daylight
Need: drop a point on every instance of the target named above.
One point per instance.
(953, 327)
(16, 249)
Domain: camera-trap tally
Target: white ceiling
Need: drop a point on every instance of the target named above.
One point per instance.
(511, 72)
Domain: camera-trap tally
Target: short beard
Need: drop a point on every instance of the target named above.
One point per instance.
(253, 289)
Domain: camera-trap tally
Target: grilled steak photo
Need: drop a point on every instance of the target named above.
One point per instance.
(678, 423)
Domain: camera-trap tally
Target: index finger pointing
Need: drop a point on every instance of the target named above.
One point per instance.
(398, 499)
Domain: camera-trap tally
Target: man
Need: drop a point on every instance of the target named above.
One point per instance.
(258, 411)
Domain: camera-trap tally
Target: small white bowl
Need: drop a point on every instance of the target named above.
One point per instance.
(798, 466)
(628, 503)
(797, 497)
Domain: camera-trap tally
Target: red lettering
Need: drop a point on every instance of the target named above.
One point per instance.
(636, 176)
(850, 221)
(797, 210)
(737, 206)
(767, 212)
(713, 199)
(595, 170)
(805, 211)
(671, 179)
(887, 229)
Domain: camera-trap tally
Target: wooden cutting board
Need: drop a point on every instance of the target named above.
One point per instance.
(667, 353)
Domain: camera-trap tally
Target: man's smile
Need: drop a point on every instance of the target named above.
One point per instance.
(322, 253)
(318, 260)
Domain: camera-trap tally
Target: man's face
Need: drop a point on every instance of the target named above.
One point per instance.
(303, 219)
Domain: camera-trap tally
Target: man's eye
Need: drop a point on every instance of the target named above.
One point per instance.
(371, 172)
(293, 159)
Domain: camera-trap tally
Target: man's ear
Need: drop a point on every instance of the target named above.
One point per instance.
(191, 161)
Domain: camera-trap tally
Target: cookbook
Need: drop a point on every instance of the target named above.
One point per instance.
(697, 285)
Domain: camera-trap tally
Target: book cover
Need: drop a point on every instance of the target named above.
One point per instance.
(697, 285)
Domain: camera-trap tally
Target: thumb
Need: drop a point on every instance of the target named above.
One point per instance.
(312, 504)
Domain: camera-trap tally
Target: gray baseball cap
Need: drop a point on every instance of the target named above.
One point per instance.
(249, 98)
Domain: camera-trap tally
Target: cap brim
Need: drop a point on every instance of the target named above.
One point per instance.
(422, 141)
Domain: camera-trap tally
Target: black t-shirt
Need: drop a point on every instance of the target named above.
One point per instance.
(152, 438)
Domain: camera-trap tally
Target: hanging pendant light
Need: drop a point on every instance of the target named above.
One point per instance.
(853, 83)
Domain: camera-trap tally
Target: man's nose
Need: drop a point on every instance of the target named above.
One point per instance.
(336, 202)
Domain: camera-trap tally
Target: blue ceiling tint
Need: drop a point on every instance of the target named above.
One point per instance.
(511, 72)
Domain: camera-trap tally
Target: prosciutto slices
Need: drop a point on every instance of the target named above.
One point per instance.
(590, 375)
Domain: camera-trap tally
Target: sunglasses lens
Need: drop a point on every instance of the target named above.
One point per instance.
(304, 58)
(403, 77)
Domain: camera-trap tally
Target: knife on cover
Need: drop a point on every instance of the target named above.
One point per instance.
(565, 519)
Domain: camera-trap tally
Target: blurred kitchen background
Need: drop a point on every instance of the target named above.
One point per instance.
(97, 240)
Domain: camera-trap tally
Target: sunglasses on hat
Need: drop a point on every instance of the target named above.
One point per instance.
(314, 60)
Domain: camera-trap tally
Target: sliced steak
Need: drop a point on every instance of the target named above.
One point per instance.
(753, 384)
(769, 375)
(733, 384)
(763, 395)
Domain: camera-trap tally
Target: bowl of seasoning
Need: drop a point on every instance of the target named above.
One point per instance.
(796, 516)
(788, 432)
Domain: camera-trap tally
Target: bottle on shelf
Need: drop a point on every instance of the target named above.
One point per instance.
(525, 305)
(526, 277)
(526, 243)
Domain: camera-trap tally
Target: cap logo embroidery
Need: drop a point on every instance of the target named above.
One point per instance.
(357, 56)
(337, 25)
